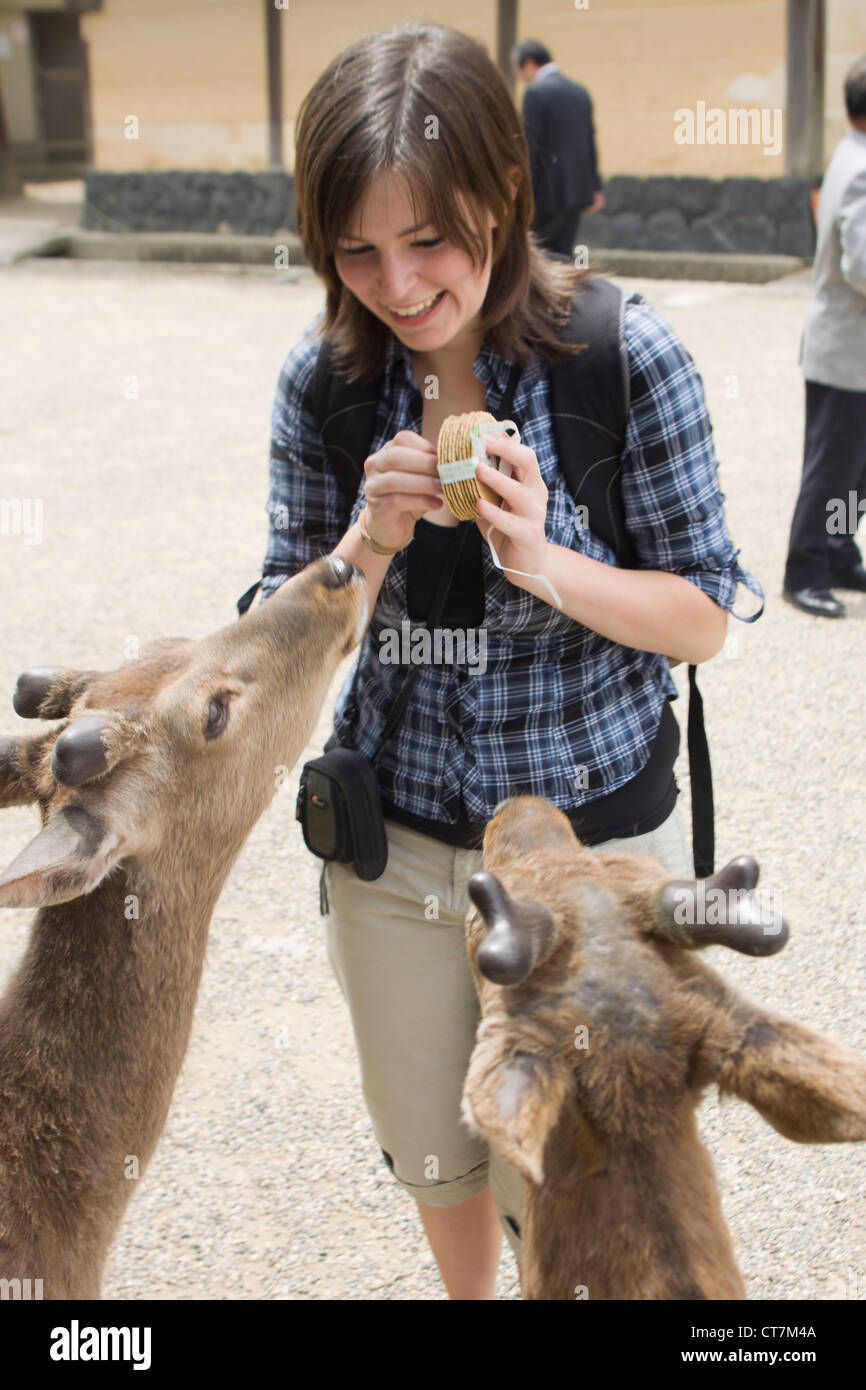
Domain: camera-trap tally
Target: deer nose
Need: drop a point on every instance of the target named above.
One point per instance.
(340, 572)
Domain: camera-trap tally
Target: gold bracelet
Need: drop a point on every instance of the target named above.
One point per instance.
(368, 539)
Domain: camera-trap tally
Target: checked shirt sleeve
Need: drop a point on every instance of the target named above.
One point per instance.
(305, 507)
(673, 501)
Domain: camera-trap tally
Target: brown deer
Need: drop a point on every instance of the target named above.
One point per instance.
(147, 794)
(600, 1030)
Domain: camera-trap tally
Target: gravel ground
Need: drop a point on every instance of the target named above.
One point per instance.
(136, 404)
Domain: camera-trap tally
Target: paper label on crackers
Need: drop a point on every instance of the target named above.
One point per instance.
(458, 471)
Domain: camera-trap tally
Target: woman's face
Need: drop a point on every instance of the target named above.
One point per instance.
(427, 291)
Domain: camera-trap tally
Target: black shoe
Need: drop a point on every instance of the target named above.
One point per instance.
(818, 601)
(849, 579)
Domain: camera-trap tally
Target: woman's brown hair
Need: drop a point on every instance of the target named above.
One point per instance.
(426, 102)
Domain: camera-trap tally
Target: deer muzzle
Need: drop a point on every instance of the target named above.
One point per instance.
(340, 572)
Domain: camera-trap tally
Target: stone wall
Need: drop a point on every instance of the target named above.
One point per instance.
(185, 200)
(759, 216)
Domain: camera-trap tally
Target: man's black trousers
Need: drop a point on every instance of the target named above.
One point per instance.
(834, 467)
(559, 233)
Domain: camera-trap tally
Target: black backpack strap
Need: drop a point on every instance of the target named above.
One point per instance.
(703, 827)
(592, 444)
(589, 402)
(345, 415)
(245, 601)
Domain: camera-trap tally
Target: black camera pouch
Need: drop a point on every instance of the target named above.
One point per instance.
(340, 810)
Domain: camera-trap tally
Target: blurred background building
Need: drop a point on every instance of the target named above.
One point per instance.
(144, 87)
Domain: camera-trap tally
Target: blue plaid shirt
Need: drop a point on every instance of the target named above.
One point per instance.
(559, 711)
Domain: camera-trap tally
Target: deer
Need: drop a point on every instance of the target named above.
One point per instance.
(147, 790)
(600, 1031)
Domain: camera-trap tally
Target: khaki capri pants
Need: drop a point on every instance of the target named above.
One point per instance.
(397, 948)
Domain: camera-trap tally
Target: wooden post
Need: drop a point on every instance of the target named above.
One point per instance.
(10, 178)
(804, 145)
(506, 38)
(274, 43)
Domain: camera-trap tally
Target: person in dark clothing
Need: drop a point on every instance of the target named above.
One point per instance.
(822, 551)
(557, 122)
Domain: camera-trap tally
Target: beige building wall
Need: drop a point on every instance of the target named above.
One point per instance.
(316, 31)
(192, 73)
(643, 60)
(177, 84)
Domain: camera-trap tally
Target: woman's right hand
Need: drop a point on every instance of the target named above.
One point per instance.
(401, 484)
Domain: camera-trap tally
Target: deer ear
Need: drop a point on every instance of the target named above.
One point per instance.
(67, 859)
(515, 1104)
(809, 1088)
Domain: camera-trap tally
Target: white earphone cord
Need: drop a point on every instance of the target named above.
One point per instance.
(506, 569)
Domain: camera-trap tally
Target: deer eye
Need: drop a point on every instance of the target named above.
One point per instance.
(217, 715)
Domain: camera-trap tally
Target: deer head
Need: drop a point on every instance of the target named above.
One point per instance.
(176, 753)
(595, 1003)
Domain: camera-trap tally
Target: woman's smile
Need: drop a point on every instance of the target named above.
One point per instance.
(416, 313)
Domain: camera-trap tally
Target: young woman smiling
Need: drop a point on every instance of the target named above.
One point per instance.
(414, 206)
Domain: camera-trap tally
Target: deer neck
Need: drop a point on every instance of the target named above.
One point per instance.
(103, 1000)
(93, 1031)
(619, 1219)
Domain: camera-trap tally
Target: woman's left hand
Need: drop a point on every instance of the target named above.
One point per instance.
(517, 526)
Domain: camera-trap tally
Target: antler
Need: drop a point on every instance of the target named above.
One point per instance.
(721, 910)
(92, 745)
(49, 692)
(88, 748)
(519, 931)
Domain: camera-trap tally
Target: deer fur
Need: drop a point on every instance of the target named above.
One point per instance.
(147, 793)
(620, 1197)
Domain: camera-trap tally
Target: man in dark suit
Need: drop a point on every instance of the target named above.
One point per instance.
(557, 122)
